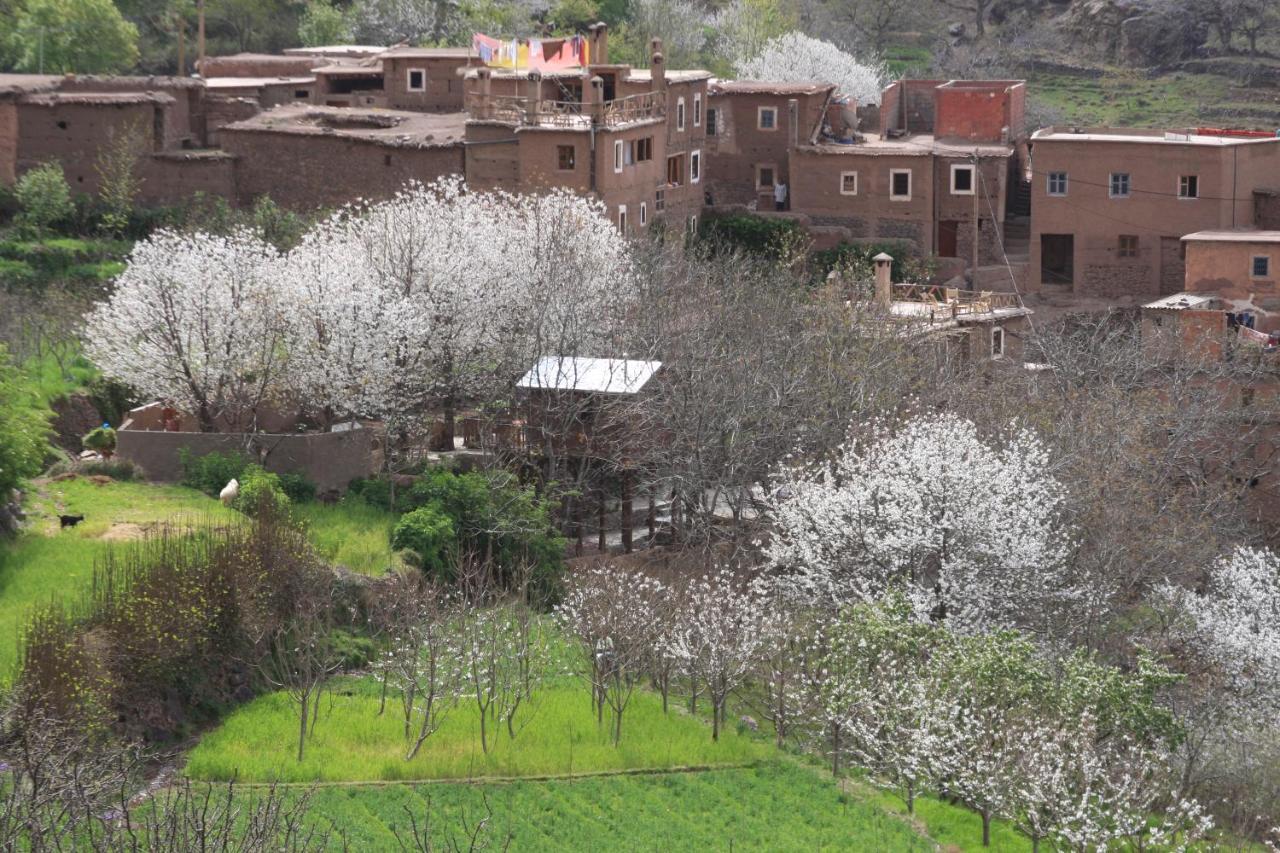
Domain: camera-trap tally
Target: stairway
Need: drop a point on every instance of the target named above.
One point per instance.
(1020, 200)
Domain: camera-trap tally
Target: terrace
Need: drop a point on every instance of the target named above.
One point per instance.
(949, 305)
(573, 115)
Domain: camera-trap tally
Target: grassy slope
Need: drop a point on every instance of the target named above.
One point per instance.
(352, 534)
(352, 743)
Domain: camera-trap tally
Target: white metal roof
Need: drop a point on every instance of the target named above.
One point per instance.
(598, 375)
(1180, 301)
(1236, 236)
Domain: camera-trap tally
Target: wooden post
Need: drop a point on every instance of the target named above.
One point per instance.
(974, 279)
(626, 511)
(603, 543)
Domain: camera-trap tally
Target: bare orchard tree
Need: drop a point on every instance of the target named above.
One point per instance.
(472, 836)
(299, 655)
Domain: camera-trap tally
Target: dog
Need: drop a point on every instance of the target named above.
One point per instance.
(70, 520)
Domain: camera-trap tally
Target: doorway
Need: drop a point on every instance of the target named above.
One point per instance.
(1057, 258)
(947, 232)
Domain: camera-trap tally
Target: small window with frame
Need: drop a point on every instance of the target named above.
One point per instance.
(1128, 246)
(1056, 184)
(767, 118)
(1118, 186)
(899, 185)
(619, 158)
(961, 179)
(644, 213)
(765, 177)
(566, 158)
(622, 219)
(695, 167)
(1260, 266)
(679, 113)
(417, 81)
(997, 342)
(697, 110)
(848, 183)
(1188, 186)
(713, 117)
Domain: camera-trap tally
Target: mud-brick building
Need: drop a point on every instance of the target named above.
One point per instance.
(310, 156)
(1109, 207)
(427, 79)
(635, 139)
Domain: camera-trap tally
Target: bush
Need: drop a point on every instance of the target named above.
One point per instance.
(375, 491)
(353, 650)
(101, 439)
(759, 235)
(297, 487)
(211, 473)
(855, 259)
(116, 469)
(260, 489)
(24, 427)
(44, 198)
(112, 399)
(429, 533)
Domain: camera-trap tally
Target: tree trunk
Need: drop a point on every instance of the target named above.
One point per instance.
(1035, 844)
(626, 512)
(986, 829)
(484, 739)
(304, 706)
(715, 720)
(450, 416)
(617, 726)
(602, 542)
(382, 700)
(911, 798)
(835, 749)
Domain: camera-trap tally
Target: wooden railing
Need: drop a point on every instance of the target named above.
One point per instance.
(514, 109)
(951, 302)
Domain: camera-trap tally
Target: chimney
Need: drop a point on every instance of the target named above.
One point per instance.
(533, 94)
(599, 43)
(658, 69)
(884, 280)
(597, 101)
(484, 77)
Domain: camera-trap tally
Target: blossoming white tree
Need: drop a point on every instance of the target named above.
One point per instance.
(969, 527)
(199, 319)
(796, 57)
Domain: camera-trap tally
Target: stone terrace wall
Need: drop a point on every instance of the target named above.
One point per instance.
(331, 460)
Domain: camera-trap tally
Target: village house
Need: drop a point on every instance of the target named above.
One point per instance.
(633, 138)
(1110, 206)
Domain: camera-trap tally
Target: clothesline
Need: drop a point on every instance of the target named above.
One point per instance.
(532, 54)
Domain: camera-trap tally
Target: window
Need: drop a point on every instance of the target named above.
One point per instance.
(693, 224)
(680, 114)
(899, 185)
(660, 200)
(1189, 186)
(848, 183)
(301, 93)
(1261, 267)
(764, 177)
(1057, 183)
(997, 342)
(695, 167)
(767, 118)
(1128, 246)
(417, 80)
(618, 156)
(712, 116)
(386, 159)
(622, 218)
(697, 110)
(640, 150)
(644, 213)
(566, 157)
(675, 170)
(961, 180)
(1119, 185)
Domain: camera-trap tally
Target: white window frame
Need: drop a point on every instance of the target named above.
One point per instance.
(1182, 197)
(622, 219)
(892, 174)
(854, 175)
(408, 80)
(618, 155)
(1111, 185)
(695, 172)
(1253, 259)
(693, 223)
(973, 178)
(997, 333)
(679, 113)
(760, 111)
(644, 213)
(1048, 184)
(697, 109)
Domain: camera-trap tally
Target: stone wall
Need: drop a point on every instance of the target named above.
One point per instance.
(331, 460)
(1116, 280)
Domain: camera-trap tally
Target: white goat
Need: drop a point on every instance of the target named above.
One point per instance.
(229, 492)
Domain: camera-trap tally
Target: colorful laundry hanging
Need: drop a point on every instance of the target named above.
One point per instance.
(532, 54)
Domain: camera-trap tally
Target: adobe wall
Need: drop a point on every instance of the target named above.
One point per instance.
(1266, 209)
(444, 86)
(331, 460)
(977, 115)
(493, 156)
(72, 134)
(538, 158)
(183, 118)
(908, 105)
(740, 145)
(815, 191)
(1224, 268)
(8, 142)
(258, 65)
(221, 110)
(305, 171)
(173, 177)
(681, 202)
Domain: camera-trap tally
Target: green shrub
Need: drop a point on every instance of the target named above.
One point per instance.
(260, 489)
(44, 198)
(101, 439)
(297, 487)
(855, 259)
(429, 533)
(117, 469)
(16, 273)
(211, 472)
(354, 650)
(760, 235)
(24, 426)
(375, 491)
(112, 399)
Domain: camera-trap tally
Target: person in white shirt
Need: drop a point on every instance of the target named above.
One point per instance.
(780, 196)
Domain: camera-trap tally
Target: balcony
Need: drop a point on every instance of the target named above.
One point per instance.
(514, 109)
(949, 304)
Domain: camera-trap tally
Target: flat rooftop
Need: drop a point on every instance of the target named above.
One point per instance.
(429, 53)
(768, 87)
(337, 50)
(1235, 236)
(919, 144)
(254, 82)
(1161, 137)
(393, 128)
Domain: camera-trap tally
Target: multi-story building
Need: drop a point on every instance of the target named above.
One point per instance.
(635, 139)
(1109, 207)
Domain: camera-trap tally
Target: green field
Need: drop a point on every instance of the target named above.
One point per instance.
(778, 805)
(351, 533)
(560, 736)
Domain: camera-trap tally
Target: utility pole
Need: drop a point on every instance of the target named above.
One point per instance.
(182, 43)
(200, 34)
(973, 276)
